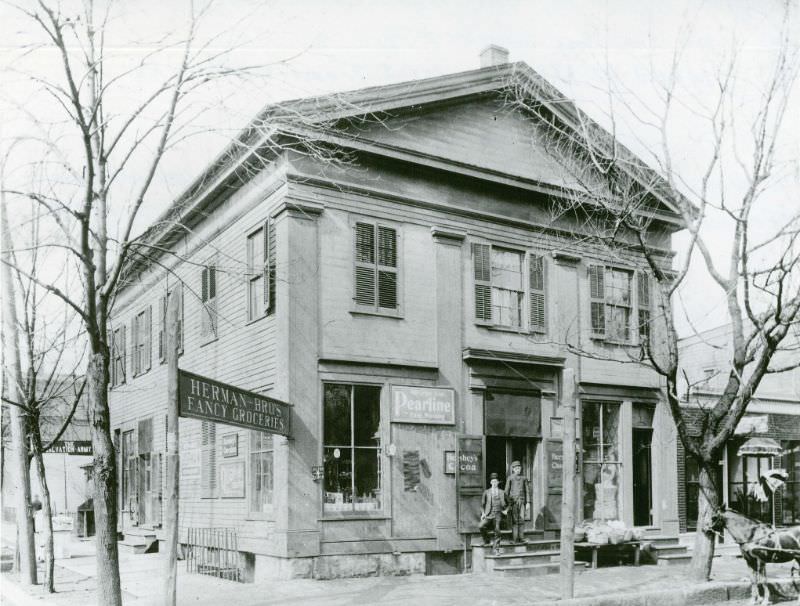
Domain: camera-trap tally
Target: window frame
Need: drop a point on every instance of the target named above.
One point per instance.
(636, 334)
(163, 302)
(534, 309)
(383, 509)
(118, 356)
(269, 508)
(377, 267)
(264, 273)
(141, 341)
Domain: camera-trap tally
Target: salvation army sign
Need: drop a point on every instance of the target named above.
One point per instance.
(428, 405)
(209, 400)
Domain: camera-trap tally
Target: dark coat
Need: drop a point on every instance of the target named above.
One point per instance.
(486, 501)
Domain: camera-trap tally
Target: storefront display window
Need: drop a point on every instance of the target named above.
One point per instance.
(790, 493)
(352, 448)
(601, 463)
(743, 483)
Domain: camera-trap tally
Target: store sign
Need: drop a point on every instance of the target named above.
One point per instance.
(752, 424)
(428, 405)
(72, 447)
(209, 400)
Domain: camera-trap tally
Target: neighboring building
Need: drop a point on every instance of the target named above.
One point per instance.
(412, 303)
(774, 412)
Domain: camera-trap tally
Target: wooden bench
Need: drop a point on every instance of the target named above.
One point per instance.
(624, 547)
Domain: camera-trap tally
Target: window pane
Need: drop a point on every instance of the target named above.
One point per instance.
(618, 321)
(610, 432)
(367, 479)
(506, 307)
(255, 298)
(255, 251)
(506, 269)
(366, 415)
(618, 290)
(338, 479)
(337, 415)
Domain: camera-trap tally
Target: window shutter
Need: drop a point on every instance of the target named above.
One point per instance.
(134, 346)
(271, 255)
(208, 479)
(148, 332)
(643, 300)
(538, 310)
(482, 266)
(204, 285)
(114, 347)
(162, 328)
(179, 286)
(597, 292)
(365, 264)
(123, 354)
(387, 258)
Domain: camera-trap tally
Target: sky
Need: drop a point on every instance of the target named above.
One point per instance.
(586, 48)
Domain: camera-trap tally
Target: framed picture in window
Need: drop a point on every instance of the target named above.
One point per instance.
(230, 445)
(450, 462)
(231, 480)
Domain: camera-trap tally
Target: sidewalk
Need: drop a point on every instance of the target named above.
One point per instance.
(627, 586)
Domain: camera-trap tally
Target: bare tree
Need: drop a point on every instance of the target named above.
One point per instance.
(104, 138)
(620, 206)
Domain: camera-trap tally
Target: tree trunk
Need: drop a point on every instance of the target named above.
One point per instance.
(105, 484)
(19, 430)
(49, 555)
(173, 451)
(707, 503)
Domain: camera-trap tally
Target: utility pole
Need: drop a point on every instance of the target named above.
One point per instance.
(19, 433)
(173, 456)
(568, 393)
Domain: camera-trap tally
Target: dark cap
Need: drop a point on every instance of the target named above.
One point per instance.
(493, 476)
(516, 463)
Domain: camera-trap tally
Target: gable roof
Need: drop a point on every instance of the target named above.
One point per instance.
(288, 124)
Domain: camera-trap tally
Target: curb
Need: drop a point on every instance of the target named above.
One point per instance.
(706, 593)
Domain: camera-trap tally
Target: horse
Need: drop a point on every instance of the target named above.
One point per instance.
(760, 544)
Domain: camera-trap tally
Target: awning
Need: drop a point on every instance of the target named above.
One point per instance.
(760, 447)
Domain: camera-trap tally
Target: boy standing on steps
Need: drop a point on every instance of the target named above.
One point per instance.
(517, 487)
(493, 508)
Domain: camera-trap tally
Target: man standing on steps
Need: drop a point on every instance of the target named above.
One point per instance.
(517, 487)
(493, 508)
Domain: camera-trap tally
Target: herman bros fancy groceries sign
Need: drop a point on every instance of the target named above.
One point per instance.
(208, 400)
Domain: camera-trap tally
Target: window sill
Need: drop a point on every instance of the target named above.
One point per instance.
(355, 516)
(209, 341)
(358, 311)
(613, 343)
(261, 317)
(501, 328)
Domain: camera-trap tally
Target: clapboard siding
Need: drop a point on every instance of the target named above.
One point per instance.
(243, 353)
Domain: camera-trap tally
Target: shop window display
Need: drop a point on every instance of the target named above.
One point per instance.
(601, 464)
(352, 448)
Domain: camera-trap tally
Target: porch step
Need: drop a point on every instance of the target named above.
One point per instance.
(661, 540)
(139, 540)
(520, 558)
(664, 550)
(533, 570)
(674, 559)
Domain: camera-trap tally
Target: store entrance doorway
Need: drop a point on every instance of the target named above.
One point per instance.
(502, 450)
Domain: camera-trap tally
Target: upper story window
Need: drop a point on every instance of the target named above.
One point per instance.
(118, 356)
(208, 299)
(612, 304)
(376, 267)
(141, 330)
(163, 301)
(505, 280)
(261, 271)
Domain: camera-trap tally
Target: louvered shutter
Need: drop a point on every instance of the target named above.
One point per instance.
(208, 469)
(114, 347)
(179, 286)
(365, 264)
(536, 292)
(482, 266)
(643, 300)
(123, 354)
(271, 259)
(162, 328)
(597, 291)
(148, 343)
(134, 346)
(387, 267)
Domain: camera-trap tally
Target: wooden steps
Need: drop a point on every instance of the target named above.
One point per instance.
(139, 540)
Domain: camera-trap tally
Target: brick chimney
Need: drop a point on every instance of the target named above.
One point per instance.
(494, 55)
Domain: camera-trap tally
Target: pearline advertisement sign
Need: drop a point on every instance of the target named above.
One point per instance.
(209, 400)
(427, 405)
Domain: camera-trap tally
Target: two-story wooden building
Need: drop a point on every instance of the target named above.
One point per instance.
(389, 263)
